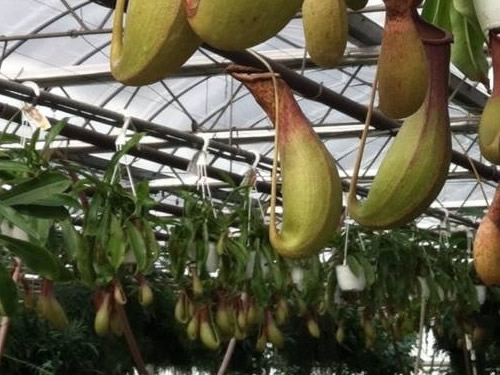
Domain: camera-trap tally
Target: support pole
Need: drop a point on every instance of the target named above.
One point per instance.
(314, 91)
(108, 143)
(4, 328)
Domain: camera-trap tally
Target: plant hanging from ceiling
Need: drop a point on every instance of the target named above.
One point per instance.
(402, 67)
(489, 126)
(416, 166)
(154, 42)
(36, 200)
(311, 188)
(459, 18)
(487, 244)
(325, 30)
(230, 25)
(117, 241)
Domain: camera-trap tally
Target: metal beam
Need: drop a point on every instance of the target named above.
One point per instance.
(141, 151)
(148, 153)
(314, 91)
(57, 34)
(94, 113)
(197, 66)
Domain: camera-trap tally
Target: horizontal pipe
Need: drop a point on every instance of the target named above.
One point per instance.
(141, 151)
(91, 112)
(108, 143)
(314, 91)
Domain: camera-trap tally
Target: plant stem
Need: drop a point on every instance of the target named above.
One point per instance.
(132, 344)
(466, 358)
(4, 329)
(81, 195)
(420, 333)
(396, 351)
(227, 357)
(362, 143)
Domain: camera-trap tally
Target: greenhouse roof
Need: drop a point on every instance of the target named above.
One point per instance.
(63, 46)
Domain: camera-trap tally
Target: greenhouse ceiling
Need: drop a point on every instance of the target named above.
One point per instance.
(64, 46)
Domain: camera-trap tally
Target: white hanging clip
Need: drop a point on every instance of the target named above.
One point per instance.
(120, 141)
(470, 238)
(347, 222)
(444, 227)
(31, 116)
(250, 180)
(122, 137)
(250, 177)
(198, 167)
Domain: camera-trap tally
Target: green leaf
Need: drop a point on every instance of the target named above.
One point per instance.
(354, 265)
(43, 212)
(85, 262)
(52, 134)
(137, 245)
(91, 223)
(35, 189)
(59, 200)
(152, 247)
(6, 138)
(368, 270)
(104, 273)
(8, 292)
(43, 227)
(131, 143)
(467, 50)
(466, 9)
(437, 12)
(143, 197)
(116, 243)
(13, 166)
(16, 219)
(36, 258)
(72, 240)
(31, 146)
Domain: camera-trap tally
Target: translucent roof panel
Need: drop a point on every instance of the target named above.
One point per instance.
(64, 47)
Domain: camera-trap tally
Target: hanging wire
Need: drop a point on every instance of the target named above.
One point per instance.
(121, 140)
(198, 167)
(231, 124)
(444, 229)
(359, 156)
(304, 60)
(347, 222)
(474, 169)
(31, 117)
(421, 325)
(250, 180)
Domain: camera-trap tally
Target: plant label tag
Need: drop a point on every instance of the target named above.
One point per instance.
(35, 118)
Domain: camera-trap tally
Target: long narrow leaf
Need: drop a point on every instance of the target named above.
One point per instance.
(437, 12)
(36, 258)
(13, 166)
(8, 138)
(35, 189)
(42, 212)
(8, 292)
(134, 141)
(52, 134)
(15, 218)
(58, 200)
(467, 50)
(466, 9)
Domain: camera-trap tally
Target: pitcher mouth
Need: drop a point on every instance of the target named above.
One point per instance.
(249, 74)
(432, 34)
(495, 33)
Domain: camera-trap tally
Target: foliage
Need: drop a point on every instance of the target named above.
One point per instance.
(459, 18)
(217, 274)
